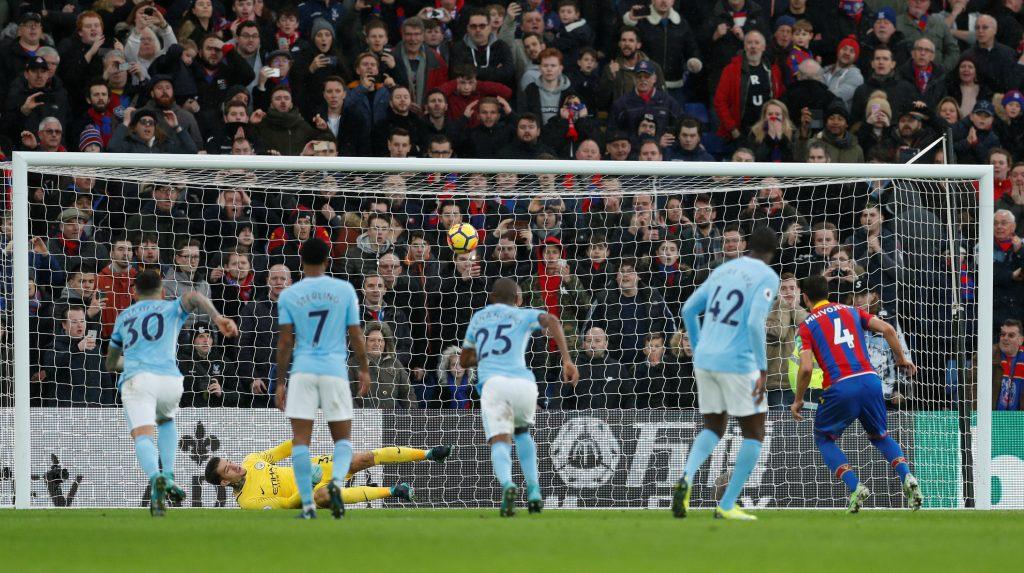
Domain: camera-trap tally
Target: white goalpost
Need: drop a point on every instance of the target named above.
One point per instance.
(928, 263)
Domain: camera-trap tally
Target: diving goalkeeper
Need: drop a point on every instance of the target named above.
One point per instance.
(259, 483)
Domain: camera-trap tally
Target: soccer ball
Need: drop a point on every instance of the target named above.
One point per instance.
(462, 238)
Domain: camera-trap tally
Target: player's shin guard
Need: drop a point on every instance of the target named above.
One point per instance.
(894, 453)
(836, 461)
(167, 443)
(526, 451)
(303, 468)
(702, 447)
(501, 462)
(750, 450)
(397, 455)
(145, 451)
(342, 461)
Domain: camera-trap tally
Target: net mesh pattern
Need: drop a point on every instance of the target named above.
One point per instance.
(614, 257)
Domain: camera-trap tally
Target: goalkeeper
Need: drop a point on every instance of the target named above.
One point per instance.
(259, 483)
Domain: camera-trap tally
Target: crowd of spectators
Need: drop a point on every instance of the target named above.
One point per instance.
(688, 80)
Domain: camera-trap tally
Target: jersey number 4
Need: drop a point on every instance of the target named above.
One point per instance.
(841, 334)
(152, 328)
(735, 297)
(483, 335)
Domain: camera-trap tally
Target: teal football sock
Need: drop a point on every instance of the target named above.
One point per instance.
(303, 468)
(145, 451)
(745, 462)
(167, 443)
(501, 461)
(526, 451)
(702, 447)
(342, 461)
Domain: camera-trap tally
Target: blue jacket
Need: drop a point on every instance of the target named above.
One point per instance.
(371, 107)
(628, 110)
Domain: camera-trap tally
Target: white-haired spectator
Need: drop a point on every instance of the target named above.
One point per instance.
(150, 38)
(1008, 273)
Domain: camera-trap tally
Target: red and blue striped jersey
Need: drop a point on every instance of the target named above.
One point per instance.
(835, 333)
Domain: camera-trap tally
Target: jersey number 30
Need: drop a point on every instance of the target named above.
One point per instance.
(842, 335)
(152, 328)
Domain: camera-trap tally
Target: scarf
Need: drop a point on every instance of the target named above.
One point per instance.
(104, 123)
(286, 41)
(739, 18)
(852, 8)
(1005, 246)
(670, 273)
(245, 286)
(71, 247)
(645, 96)
(921, 22)
(921, 77)
(550, 285)
(418, 79)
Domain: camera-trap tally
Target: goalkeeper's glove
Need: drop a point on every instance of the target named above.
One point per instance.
(318, 472)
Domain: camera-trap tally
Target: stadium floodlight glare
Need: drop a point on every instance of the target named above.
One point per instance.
(930, 208)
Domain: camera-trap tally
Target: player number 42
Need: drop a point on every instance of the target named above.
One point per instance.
(842, 335)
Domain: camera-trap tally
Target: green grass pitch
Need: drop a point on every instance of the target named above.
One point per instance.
(196, 541)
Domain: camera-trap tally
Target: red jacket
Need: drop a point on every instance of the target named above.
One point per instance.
(457, 103)
(118, 289)
(729, 95)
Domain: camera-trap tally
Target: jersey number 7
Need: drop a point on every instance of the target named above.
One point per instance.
(321, 316)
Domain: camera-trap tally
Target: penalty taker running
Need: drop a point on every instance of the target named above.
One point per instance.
(496, 340)
(144, 344)
(318, 318)
(833, 334)
(730, 364)
(259, 483)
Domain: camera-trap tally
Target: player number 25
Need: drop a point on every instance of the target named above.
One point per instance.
(499, 336)
(842, 335)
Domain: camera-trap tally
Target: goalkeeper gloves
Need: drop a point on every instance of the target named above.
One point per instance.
(317, 473)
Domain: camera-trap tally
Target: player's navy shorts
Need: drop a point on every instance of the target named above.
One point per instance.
(858, 397)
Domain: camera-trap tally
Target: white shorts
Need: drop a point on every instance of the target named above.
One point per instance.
(307, 392)
(151, 398)
(730, 392)
(506, 404)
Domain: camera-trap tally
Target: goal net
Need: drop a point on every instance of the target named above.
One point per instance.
(612, 249)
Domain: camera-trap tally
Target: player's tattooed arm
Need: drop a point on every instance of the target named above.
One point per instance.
(193, 301)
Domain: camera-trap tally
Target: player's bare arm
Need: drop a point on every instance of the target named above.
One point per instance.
(554, 327)
(115, 361)
(358, 342)
(803, 380)
(285, 345)
(892, 338)
(193, 301)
